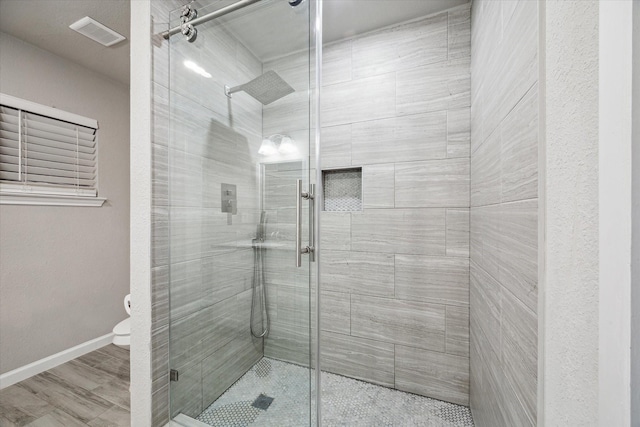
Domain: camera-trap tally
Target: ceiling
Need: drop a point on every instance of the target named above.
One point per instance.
(45, 23)
(346, 18)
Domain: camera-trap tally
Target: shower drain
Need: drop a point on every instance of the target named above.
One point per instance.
(262, 402)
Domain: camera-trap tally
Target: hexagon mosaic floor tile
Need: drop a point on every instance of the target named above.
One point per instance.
(345, 402)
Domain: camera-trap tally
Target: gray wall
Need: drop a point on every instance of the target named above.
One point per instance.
(207, 265)
(504, 219)
(64, 271)
(395, 276)
(160, 213)
(288, 287)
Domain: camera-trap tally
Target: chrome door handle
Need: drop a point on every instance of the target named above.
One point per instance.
(312, 216)
(299, 249)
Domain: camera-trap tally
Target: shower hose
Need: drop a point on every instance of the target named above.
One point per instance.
(259, 290)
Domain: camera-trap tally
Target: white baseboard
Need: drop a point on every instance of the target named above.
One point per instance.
(52, 361)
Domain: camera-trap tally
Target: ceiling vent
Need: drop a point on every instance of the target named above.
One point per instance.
(96, 31)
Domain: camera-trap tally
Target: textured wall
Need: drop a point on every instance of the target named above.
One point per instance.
(571, 289)
(140, 95)
(64, 270)
(504, 212)
(395, 275)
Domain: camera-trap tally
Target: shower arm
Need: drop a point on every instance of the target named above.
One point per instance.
(209, 16)
(231, 90)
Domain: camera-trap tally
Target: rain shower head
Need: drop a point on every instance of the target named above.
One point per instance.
(267, 88)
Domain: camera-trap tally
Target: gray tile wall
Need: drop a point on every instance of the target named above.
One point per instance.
(504, 218)
(288, 290)
(204, 254)
(395, 276)
(288, 287)
(160, 213)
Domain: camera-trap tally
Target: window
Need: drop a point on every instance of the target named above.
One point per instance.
(47, 156)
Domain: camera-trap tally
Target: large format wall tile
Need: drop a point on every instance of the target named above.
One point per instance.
(458, 232)
(288, 342)
(519, 153)
(459, 133)
(186, 290)
(160, 297)
(358, 272)
(335, 312)
(369, 98)
(433, 183)
(459, 33)
(519, 54)
(401, 139)
(486, 238)
(378, 186)
(225, 366)
(335, 232)
(485, 392)
(457, 326)
(519, 250)
(292, 305)
(401, 47)
(442, 376)
(417, 324)
(359, 358)
(486, 306)
(409, 231)
(336, 63)
(432, 279)
(435, 87)
(226, 275)
(336, 146)
(519, 354)
(504, 213)
(485, 172)
(287, 114)
(220, 324)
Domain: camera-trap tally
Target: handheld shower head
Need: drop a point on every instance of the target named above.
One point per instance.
(266, 88)
(260, 231)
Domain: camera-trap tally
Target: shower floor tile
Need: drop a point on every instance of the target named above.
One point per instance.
(345, 402)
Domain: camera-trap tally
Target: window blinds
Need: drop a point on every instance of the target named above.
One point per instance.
(42, 150)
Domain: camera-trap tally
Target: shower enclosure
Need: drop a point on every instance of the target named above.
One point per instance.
(252, 321)
(241, 153)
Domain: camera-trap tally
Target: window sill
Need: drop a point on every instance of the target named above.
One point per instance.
(41, 195)
(49, 200)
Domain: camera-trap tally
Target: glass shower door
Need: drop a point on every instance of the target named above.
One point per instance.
(239, 154)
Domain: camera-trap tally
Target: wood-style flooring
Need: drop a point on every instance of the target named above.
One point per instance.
(92, 390)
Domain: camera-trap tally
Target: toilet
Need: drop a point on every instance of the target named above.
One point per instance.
(122, 331)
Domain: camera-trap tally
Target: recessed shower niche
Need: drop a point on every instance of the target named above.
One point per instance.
(342, 190)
